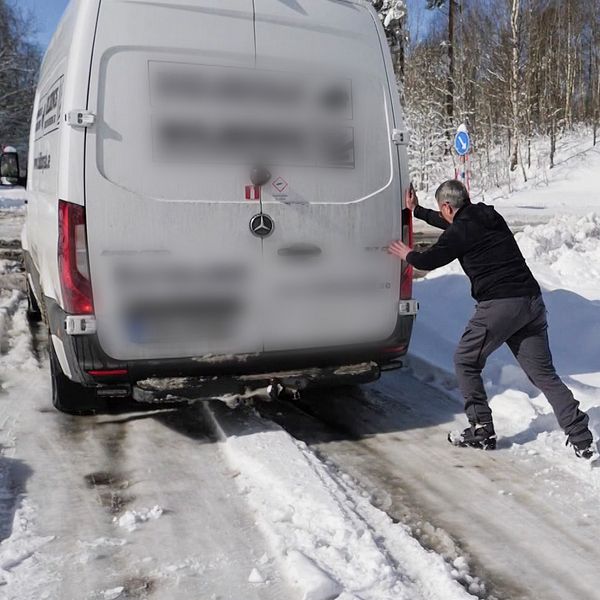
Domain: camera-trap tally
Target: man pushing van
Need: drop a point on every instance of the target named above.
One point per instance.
(510, 310)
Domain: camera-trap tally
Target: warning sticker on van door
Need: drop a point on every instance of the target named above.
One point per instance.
(280, 185)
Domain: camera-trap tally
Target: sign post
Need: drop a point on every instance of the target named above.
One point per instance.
(462, 145)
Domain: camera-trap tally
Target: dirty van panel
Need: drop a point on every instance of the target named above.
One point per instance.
(328, 277)
(174, 267)
(187, 256)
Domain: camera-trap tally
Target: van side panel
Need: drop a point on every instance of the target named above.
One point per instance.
(56, 150)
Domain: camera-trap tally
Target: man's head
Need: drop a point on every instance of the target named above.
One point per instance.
(451, 196)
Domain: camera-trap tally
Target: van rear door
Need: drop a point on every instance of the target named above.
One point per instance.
(328, 277)
(174, 267)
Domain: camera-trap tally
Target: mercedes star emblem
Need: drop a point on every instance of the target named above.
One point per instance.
(261, 225)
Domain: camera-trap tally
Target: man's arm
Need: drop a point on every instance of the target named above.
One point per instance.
(431, 216)
(442, 253)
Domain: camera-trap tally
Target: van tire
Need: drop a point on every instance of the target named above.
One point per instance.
(34, 314)
(68, 396)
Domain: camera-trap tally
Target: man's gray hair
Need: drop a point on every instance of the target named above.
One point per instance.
(454, 193)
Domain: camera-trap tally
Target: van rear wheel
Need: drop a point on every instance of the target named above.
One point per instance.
(68, 396)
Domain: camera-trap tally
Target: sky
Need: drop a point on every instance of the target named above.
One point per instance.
(47, 14)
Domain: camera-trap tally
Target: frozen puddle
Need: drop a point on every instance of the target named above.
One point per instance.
(332, 541)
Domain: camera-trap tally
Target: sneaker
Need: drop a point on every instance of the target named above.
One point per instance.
(586, 449)
(479, 435)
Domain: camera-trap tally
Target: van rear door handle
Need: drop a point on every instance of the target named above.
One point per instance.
(300, 250)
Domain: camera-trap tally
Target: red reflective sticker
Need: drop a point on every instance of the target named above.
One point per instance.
(253, 192)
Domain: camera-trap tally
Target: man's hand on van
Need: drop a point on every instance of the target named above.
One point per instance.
(399, 249)
(410, 198)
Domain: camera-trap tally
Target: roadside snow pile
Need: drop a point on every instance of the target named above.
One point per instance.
(15, 341)
(25, 572)
(12, 198)
(331, 540)
(564, 255)
(19, 560)
(12, 213)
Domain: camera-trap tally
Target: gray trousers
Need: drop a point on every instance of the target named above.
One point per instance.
(521, 324)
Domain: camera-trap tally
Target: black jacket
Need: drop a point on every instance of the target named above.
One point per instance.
(486, 249)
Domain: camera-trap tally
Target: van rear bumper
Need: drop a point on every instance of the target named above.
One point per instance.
(262, 385)
(87, 360)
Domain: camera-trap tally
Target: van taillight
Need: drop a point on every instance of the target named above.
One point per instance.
(73, 262)
(406, 277)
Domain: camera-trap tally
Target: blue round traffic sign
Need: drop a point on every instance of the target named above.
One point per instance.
(462, 143)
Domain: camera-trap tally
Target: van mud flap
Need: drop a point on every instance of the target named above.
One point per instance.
(261, 385)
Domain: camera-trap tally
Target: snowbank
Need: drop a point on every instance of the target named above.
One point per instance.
(564, 255)
(12, 212)
(12, 197)
(24, 572)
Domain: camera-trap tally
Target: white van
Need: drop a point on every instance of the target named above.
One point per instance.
(213, 186)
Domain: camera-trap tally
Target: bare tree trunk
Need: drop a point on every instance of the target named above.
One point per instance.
(450, 94)
(570, 77)
(552, 141)
(515, 22)
(595, 74)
